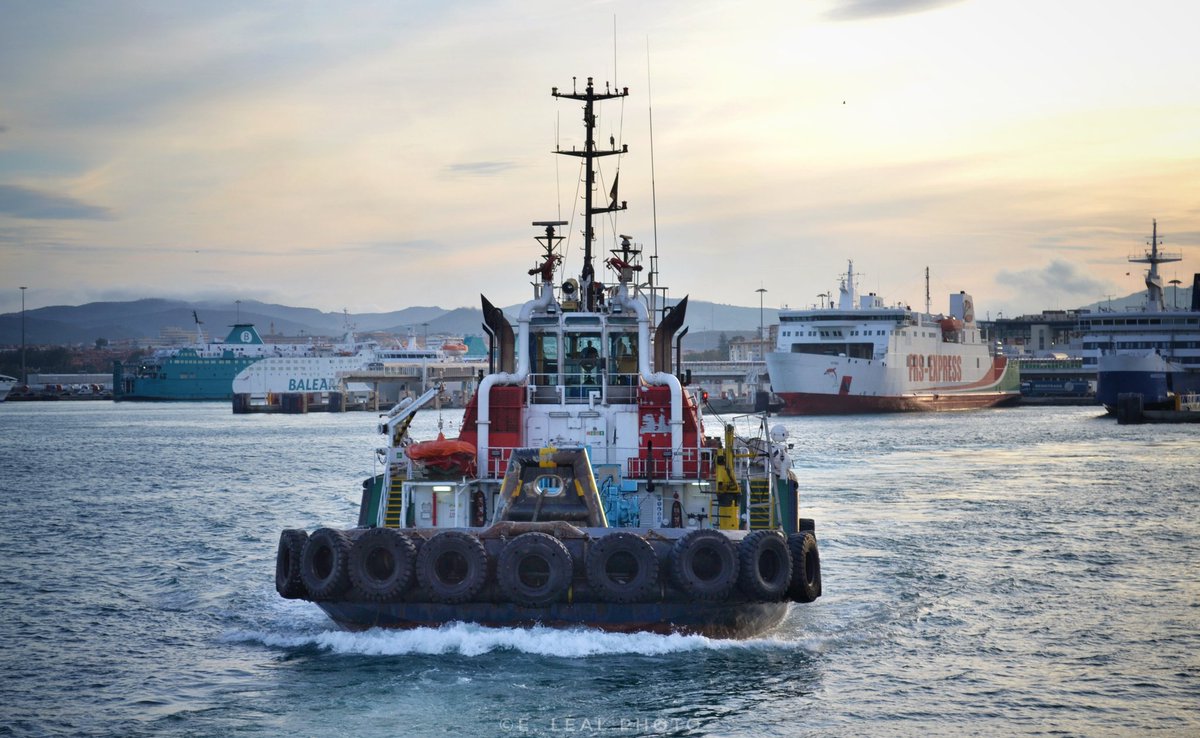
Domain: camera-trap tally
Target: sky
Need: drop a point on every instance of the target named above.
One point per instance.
(372, 156)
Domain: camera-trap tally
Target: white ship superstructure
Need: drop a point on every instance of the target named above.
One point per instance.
(861, 355)
(327, 373)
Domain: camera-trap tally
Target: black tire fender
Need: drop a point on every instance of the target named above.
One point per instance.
(534, 569)
(288, 583)
(323, 564)
(806, 567)
(622, 567)
(381, 563)
(453, 566)
(704, 564)
(766, 565)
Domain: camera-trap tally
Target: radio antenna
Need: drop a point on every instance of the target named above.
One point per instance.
(654, 197)
(614, 49)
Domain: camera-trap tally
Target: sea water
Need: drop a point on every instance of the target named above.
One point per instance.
(1017, 571)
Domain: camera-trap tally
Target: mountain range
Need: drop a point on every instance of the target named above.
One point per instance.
(144, 321)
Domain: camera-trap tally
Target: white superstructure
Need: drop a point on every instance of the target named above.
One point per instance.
(861, 355)
(326, 373)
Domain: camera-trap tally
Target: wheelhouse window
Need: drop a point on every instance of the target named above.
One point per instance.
(622, 355)
(582, 363)
(545, 358)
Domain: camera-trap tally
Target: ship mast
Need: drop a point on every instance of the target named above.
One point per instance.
(1154, 285)
(587, 277)
(848, 296)
(928, 304)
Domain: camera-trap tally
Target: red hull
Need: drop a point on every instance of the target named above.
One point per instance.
(804, 403)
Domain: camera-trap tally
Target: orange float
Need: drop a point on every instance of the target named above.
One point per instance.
(448, 455)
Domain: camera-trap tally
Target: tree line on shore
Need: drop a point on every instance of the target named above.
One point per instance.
(65, 359)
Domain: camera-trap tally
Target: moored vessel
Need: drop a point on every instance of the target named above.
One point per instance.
(6, 385)
(1153, 350)
(862, 356)
(313, 373)
(201, 371)
(581, 490)
(354, 373)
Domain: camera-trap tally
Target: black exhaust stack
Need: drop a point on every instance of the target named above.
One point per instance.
(672, 320)
(503, 341)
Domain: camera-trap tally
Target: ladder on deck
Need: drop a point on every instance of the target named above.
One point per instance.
(762, 504)
(393, 517)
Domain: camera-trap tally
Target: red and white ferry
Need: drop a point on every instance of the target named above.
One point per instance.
(862, 356)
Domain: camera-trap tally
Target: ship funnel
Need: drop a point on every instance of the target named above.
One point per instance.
(672, 321)
(962, 306)
(501, 331)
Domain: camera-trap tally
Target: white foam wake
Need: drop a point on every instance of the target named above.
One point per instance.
(469, 639)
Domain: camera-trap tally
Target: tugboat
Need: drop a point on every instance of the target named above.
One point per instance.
(581, 490)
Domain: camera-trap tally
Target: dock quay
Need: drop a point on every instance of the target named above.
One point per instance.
(1130, 410)
(732, 386)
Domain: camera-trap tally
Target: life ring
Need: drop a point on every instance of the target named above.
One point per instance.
(323, 564)
(704, 564)
(622, 567)
(288, 583)
(381, 563)
(453, 566)
(806, 567)
(443, 454)
(766, 565)
(534, 569)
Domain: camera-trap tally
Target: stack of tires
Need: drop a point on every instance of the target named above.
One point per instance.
(535, 569)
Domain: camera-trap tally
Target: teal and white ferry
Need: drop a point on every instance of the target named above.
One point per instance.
(202, 371)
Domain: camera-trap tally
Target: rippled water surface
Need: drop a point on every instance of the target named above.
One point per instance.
(1022, 571)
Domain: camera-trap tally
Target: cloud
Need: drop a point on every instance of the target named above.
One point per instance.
(852, 10)
(1058, 278)
(22, 202)
(482, 168)
(1174, 239)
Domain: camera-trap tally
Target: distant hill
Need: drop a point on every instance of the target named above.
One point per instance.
(1182, 299)
(144, 321)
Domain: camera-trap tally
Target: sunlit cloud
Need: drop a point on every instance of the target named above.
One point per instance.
(23, 202)
(481, 168)
(862, 9)
(315, 153)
